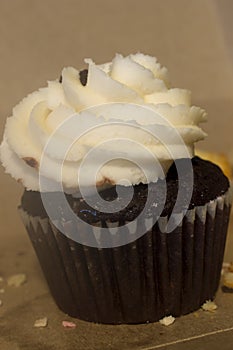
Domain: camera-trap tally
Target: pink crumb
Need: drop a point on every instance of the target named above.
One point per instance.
(68, 324)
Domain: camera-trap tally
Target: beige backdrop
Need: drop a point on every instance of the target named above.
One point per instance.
(192, 38)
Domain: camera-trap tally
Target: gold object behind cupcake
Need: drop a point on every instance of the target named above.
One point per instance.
(218, 158)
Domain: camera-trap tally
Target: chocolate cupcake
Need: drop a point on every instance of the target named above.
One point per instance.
(128, 225)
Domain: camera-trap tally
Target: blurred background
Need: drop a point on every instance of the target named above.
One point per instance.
(193, 39)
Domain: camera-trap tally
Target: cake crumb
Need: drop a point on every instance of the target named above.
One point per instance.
(227, 286)
(196, 314)
(228, 282)
(209, 306)
(41, 322)
(231, 267)
(16, 280)
(67, 324)
(225, 267)
(1, 279)
(167, 321)
(2, 290)
(1, 303)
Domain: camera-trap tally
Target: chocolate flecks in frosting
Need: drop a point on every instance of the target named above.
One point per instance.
(31, 162)
(83, 76)
(115, 95)
(60, 79)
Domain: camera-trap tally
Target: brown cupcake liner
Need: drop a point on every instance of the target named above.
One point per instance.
(157, 275)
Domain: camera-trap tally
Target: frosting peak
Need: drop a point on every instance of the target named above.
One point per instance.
(122, 113)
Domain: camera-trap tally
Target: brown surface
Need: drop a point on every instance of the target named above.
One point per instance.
(38, 38)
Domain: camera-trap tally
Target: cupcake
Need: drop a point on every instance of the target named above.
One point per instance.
(129, 226)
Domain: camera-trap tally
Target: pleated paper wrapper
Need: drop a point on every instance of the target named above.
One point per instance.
(158, 275)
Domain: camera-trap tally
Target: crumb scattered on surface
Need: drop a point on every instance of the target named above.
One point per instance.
(225, 267)
(2, 290)
(167, 321)
(227, 272)
(209, 306)
(41, 322)
(68, 324)
(231, 267)
(196, 314)
(1, 279)
(1, 303)
(228, 280)
(16, 280)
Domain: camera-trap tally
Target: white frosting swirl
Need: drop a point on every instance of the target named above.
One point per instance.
(127, 101)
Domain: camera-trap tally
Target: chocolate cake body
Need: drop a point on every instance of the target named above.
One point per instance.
(209, 182)
(157, 275)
